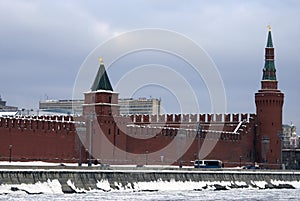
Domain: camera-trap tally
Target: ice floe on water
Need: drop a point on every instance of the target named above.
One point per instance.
(55, 187)
(103, 185)
(52, 187)
(173, 185)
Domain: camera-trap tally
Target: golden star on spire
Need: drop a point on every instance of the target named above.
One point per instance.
(100, 60)
(269, 27)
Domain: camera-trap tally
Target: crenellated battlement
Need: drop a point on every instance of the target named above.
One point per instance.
(191, 132)
(44, 123)
(192, 118)
(214, 126)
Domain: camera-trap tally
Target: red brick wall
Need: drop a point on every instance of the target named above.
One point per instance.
(38, 140)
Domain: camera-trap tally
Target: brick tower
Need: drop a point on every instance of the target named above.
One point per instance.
(100, 109)
(269, 102)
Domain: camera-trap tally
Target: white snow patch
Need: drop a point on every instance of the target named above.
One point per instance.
(77, 190)
(295, 184)
(41, 163)
(118, 185)
(173, 185)
(103, 185)
(277, 182)
(49, 187)
(240, 183)
(32, 163)
(260, 184)
(129, 186)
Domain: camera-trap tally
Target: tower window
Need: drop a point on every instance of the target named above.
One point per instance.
(109, 131)
(109, 99)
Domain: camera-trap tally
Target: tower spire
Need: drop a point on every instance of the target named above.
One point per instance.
(269, 42)
(269, 71)
(101, 81)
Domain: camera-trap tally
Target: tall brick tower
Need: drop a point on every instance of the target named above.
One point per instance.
(269, 101)
(100, 109)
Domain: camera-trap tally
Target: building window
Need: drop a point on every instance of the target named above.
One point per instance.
(109, 131)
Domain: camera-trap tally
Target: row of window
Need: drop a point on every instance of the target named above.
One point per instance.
(269, 101)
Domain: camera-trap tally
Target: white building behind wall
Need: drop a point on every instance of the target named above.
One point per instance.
(128, 106)
(151, 106)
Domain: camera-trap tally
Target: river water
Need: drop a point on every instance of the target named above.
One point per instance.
(233, 194)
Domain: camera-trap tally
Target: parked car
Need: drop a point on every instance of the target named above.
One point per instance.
(251, 167)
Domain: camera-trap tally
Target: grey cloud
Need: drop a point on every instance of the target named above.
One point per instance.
(43, 43)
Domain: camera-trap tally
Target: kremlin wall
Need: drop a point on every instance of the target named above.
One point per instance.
(102, 134)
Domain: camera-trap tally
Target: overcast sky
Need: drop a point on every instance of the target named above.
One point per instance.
(44, 43)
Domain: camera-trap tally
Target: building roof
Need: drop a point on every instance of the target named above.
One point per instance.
(269, 42)
(6, 114)
(269, 71)
(101, 81)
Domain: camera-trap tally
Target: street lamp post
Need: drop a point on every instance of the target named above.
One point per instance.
(90, 139)
(146, 157)
(181, 135)
(281, 144)
(80, 153)
(199, 132)
(240, 161)
(10, 153)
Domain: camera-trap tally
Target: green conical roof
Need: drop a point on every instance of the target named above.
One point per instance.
(269, 43)
(101, 81)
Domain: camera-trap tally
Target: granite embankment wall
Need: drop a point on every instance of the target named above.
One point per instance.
(82, 179)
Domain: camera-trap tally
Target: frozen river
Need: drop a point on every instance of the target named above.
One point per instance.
(233, 194)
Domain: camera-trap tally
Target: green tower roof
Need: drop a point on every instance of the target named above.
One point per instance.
(101, 81)
(269, 43)
(269, 71)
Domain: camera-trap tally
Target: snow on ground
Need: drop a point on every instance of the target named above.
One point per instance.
(34, 163)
